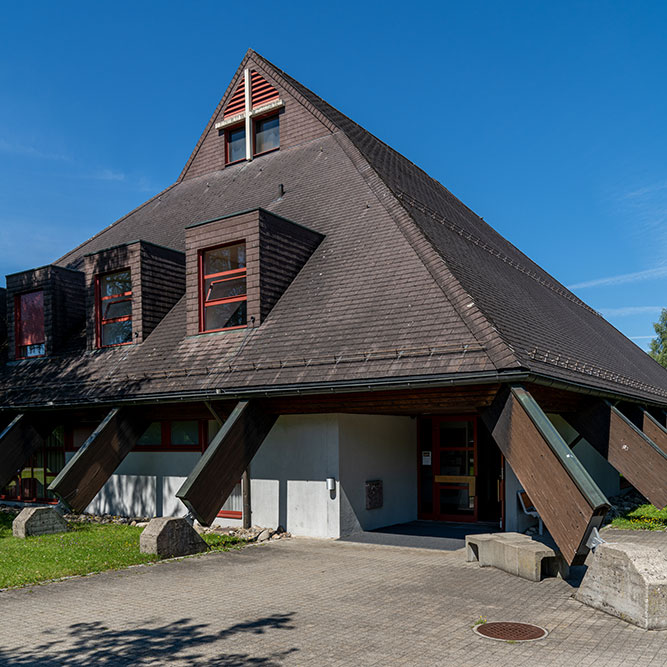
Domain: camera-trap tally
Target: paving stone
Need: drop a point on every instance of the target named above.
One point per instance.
(312, 602)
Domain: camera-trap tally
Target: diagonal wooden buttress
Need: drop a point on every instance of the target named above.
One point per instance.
(18, 442)
(567, 498)
(220, 468)
(95, 461)
(638, 454)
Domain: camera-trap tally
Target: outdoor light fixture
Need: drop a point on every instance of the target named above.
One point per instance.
(331, 483)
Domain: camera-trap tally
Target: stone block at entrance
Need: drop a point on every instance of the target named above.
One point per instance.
(169, 537)
(628, 581)
(38, 521)
(517, 554)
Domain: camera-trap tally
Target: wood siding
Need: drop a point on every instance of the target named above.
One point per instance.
(212, 481)
(567, 499)
(18, 441)
(96, 460)
(633, 453)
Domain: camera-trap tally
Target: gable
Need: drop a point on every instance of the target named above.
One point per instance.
(297, 123)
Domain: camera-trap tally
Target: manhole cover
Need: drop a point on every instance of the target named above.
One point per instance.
(511, 632)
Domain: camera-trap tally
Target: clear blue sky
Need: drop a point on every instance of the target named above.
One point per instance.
(548, 119)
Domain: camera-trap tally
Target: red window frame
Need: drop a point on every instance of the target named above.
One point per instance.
(99, 301)
(18, 336)
(228, 131)
(165, 436)
(267, 116)
(223, 275)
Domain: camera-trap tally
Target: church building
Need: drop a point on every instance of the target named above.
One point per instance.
(307, 327)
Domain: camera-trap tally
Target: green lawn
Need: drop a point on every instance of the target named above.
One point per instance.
(86, 549)
(644, 517)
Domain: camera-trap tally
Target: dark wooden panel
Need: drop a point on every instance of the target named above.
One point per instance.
(633, 453)
(567, 499)
(97, 459)
(213, 479)
(442, 400)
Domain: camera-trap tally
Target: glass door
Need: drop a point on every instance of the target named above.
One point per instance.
(454, 469)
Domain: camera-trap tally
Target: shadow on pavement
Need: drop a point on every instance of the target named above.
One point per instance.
(183, 641)
(422, 534)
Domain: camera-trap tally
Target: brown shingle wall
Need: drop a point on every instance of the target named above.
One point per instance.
(162, 283)
(297, 125)
(3, 325)
(284, 249)
(242, 227)
(63, 304)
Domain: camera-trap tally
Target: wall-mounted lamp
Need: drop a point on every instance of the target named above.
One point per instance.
(331, 483)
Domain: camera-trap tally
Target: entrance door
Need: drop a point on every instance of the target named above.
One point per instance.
(448, 472)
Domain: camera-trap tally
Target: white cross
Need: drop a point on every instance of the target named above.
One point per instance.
(248, 114)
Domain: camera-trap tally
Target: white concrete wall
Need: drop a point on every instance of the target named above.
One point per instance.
(145, 484)
(289, 474)
(383, 448)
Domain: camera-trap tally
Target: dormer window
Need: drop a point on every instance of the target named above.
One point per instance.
(223, 293)
(30, 336)
(114, 309)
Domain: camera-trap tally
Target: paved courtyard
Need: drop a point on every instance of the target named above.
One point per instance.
(311, 602)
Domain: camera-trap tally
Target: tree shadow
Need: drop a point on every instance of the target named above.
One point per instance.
(184, 641)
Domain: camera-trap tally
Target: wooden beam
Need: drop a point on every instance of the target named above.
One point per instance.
(96, 460)
(567, 499)
(632, 452)
(221, 466)
(18, 442)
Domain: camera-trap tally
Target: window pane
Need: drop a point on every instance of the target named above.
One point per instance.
(185, 433)
(235, 502)
(225, 315)
(267, 134)
(113, 309)
(32, 350)
(152, 436)
(117, 333)
(115, 283)
(229, 258)
(456, 500)
(236, 144)
(217, 288)
(31, 318)
(456, 434)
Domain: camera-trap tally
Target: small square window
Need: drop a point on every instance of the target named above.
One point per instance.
(114, 309)
(223, 292)
(235, 144)
(267, 134)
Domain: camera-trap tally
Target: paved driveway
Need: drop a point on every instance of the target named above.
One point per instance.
(310, 602)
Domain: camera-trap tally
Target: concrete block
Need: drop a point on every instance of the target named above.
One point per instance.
(517, 554)
(170, 536)
(38, 521)
(628, 581)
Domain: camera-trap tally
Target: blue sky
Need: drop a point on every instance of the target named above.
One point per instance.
(548, 119)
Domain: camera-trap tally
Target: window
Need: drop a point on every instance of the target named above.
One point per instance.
(267, 134)
(223, 296)
(235, 144)
(176, 436)
(114, 309)
(30, 338)
(266, 138)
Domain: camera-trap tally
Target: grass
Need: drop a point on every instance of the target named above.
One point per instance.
(644, 517)
(86, 549)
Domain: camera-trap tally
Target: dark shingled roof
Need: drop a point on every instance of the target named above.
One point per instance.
(407, 283)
